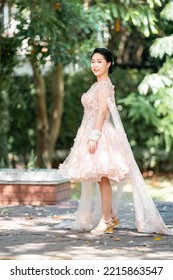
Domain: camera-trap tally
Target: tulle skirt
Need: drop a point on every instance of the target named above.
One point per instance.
(107, 161)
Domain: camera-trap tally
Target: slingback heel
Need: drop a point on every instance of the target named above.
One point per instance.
(115, 221)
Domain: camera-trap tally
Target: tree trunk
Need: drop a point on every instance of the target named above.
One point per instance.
(43, 138)
(2, 4)
(87, 4)
(57, 106)
(47, 134)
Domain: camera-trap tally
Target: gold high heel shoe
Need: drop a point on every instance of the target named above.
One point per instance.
(115, 221)
(103, 227)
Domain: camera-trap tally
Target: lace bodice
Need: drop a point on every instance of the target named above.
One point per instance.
(90, 100)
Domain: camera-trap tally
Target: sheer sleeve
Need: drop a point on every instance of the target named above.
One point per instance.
(105, 90)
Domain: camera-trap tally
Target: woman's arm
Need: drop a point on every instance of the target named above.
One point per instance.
(101, 115)
(102, 111)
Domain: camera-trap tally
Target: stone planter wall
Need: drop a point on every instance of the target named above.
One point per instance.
(32, 187)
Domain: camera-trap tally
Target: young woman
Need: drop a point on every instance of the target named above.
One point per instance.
(102, 154)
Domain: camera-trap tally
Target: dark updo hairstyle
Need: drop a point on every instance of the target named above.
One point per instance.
(108, 57)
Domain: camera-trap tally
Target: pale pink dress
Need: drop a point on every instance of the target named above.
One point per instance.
(109, 158)
(113, 159)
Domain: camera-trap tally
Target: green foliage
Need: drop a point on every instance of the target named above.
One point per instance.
(154, 82)
(162, 46)
(8, 56)
(135, 14)
(153, 3)
(4, 125)
(159, 86)
(47, 34)
(62, 31)
(167, 12)
(55, 31)
(22, 118)
(32, 161)
(143, 18)
(140, 108)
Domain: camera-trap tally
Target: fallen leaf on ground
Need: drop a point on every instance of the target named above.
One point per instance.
(157, 238)
(29, 218)
(140, 249)
(117, 239)
(58, 237)
(56, 217)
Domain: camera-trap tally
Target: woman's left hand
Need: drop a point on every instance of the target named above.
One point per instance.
(92, 146)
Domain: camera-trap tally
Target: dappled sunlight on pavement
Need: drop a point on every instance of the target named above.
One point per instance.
(29, 232)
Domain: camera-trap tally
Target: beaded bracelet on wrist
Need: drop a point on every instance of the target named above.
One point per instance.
(94, 135)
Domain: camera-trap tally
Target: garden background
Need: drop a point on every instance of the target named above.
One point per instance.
(45, 50)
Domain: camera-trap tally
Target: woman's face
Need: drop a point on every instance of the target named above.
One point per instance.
(99, 65)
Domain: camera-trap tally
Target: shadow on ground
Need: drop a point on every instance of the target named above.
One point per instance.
(29, 233)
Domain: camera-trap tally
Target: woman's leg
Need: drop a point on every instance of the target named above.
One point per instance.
(105, 225)
(106, 198)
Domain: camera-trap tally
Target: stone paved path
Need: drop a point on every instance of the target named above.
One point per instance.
(28, 232)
